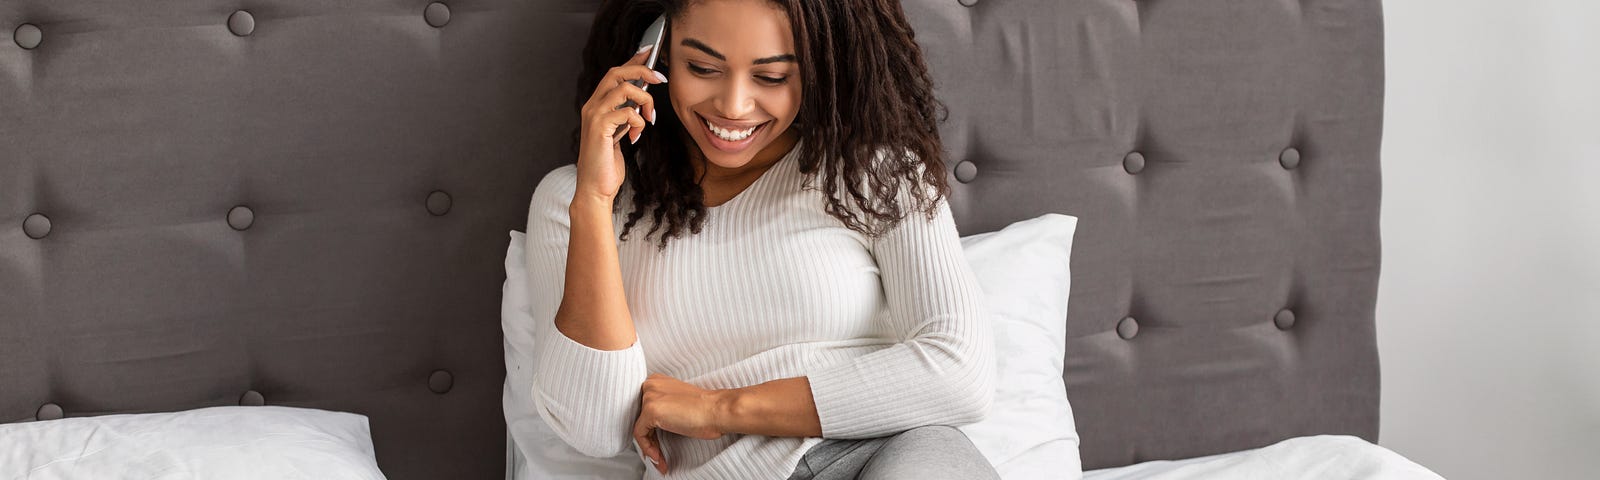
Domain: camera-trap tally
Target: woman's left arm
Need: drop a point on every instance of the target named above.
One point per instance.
(940, 373)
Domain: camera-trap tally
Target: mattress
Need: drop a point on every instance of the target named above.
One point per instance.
(1317, 457)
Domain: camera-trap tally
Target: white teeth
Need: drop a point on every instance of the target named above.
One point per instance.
(731, 135)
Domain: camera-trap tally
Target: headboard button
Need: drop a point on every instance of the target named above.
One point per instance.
(441, 381)
(241, 217)
(966, 171)
(252, 398)
(49, 411)
(1284, 319)
(241, 23)
(437, 14)
(439, 203)
(1133, 162)
(28, 36)
(36, 226)
(1127, 328)
(1289, 158)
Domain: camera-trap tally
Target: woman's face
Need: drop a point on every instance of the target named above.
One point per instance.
(733, 64)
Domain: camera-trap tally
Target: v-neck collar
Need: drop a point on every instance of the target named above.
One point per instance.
(762, 180)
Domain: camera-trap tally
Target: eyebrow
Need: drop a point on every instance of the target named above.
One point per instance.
(698, 45)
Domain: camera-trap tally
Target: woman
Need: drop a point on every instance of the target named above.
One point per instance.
(791, 332)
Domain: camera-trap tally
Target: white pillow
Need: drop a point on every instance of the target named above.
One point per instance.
(537, 453)
(1025, 272)
(217, 443)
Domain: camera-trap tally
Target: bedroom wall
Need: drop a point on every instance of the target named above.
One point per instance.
(1490, 291)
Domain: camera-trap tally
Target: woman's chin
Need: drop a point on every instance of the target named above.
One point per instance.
(730, 160)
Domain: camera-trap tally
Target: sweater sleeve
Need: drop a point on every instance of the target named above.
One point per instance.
(589, 397)
(942, 371)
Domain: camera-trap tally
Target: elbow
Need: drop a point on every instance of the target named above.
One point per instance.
(964, 382)
(602, 448)
(588, 438)
(971, 389)
(971, 400)
(589, 398)
(584, 438)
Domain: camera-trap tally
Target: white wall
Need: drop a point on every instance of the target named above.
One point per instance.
(1489, 300)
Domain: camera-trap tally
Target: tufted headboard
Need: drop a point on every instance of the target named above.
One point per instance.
(306, 203)
(1222, 158)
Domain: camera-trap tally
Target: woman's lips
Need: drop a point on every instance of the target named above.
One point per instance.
(729, 146)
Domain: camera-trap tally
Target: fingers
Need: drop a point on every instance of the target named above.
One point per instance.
(627, 118)
(617, 97)
(644, 434)
(635, 75)
(631, 94)
(622, 105)
(627, 95)
(633, 70)
(610, 108)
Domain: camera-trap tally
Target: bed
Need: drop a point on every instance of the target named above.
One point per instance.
(304, 204)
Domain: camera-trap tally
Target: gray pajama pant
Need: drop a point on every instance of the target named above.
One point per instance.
(932, 452)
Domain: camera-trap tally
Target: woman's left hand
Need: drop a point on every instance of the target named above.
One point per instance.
(675, 406)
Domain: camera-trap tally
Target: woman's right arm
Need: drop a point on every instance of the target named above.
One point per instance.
(594, 311)
(589, 366)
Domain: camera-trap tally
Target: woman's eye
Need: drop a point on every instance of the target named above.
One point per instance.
(767, 80)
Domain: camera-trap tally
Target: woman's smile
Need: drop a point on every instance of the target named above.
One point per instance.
(731, 138)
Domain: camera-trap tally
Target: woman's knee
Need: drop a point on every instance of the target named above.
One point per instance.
(934, 436)
(929, 452)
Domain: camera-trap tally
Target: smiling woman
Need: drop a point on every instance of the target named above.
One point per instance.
(846, 79)
(799, 333)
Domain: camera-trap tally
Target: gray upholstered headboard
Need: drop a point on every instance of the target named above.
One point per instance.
(1222, 157)
(306, 203)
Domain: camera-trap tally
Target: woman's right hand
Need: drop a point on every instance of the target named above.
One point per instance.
(600, 166)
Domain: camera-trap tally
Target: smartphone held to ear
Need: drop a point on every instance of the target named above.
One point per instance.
(652, 38)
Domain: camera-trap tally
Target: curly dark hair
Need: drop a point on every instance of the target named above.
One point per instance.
(866, 92)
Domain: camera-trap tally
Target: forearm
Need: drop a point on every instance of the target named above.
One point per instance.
(594, 309)
(779, 408)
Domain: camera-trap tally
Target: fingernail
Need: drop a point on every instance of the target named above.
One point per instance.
(660, 75)
(652, 115)
(642, 49)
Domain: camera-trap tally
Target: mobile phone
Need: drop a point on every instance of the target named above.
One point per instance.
(652, 36)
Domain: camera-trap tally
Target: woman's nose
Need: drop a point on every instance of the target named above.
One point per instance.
(738, 100)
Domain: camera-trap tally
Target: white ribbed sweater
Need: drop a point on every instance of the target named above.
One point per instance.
(889, 331)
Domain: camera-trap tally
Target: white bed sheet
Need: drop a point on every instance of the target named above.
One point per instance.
(1319, 457)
